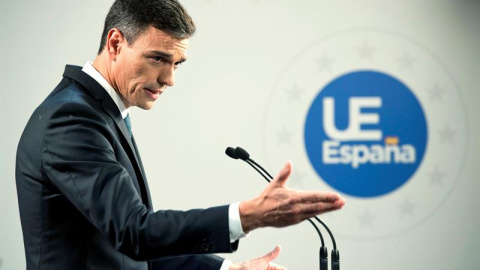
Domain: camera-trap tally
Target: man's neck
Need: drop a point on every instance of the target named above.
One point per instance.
(102, 65)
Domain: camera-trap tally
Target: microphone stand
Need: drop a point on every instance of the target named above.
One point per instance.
(240, 153)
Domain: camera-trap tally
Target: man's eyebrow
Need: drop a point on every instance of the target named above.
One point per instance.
(162, 54)
(167, 56)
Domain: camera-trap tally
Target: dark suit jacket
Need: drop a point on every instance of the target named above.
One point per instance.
(84, 199)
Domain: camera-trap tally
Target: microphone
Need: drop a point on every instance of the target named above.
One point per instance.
(243, 155)
(335, 259)
(240, 153)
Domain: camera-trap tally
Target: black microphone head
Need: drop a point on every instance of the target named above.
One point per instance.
(241, 153)
(230, 151)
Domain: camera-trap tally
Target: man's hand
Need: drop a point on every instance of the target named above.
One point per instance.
(278, 206)
(261, 263)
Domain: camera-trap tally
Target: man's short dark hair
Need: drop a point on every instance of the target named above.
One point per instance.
(132, 17)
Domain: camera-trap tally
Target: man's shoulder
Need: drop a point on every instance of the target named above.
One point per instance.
(67, 102)
(68, 93)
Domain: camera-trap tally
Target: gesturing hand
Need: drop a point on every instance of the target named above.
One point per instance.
(279, 206)
(261, 263)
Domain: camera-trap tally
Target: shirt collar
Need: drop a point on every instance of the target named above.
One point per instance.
(90, 70)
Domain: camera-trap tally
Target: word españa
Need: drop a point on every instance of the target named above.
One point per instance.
(358, 154)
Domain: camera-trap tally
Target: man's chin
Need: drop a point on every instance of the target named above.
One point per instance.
(146, 106)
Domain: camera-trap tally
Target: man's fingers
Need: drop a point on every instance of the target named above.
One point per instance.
(261, 263)
(314, 196)
(272, 266)
(317, 208)
(293, 214)
(320, 207)
(283, 175)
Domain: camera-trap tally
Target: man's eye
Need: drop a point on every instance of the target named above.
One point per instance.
(177, 64)
(157, 59)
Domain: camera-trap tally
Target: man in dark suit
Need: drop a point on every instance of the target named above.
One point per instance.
(83, 196)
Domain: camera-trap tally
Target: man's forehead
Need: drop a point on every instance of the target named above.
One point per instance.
(158, 37)
(158, 42)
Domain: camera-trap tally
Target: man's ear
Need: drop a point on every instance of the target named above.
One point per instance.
(115, 40)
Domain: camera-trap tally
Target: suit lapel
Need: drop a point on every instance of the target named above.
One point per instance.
(147, 190)
(97, 91)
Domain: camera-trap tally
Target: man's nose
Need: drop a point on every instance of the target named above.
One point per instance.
(167, 76)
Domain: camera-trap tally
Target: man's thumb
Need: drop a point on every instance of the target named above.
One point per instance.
(272, 255)
(283, 175)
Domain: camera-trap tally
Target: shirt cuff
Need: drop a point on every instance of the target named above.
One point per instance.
(226, 265)
(234, 223)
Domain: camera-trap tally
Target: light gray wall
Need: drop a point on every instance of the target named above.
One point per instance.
(237, 70)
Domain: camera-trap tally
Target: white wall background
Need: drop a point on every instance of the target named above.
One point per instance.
(240, 50)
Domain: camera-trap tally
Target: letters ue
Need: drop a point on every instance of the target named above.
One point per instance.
(357, 118)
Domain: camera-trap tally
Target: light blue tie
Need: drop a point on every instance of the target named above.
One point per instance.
(128, 124)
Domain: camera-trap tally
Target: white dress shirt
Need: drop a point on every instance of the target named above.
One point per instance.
(234, 223)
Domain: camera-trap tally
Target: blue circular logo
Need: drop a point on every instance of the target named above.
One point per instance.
(365, 133)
